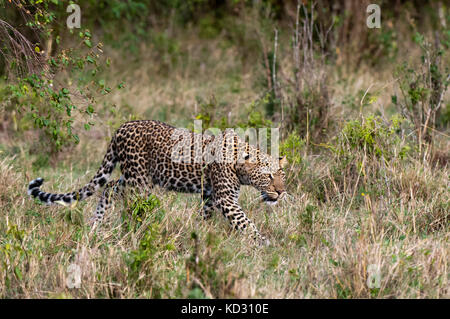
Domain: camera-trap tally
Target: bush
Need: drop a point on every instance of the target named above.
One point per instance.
(363, 154)
(146, 218)
(144, 209)
(36, 96)
(304, 91)
(423, 88)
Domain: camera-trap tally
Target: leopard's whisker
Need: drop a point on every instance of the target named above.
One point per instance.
(256, 199)
(289, 198)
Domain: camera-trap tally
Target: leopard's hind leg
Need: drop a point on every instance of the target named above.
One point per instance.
(134, 180)
(113, 190)
(209, 206)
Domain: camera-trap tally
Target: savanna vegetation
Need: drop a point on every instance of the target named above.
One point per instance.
(364, 119)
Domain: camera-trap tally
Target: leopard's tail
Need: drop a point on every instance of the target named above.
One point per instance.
(99, 180)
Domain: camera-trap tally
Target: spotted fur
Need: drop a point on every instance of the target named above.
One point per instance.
(147, 155)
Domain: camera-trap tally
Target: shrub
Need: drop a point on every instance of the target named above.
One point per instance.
(154, 242)
(36, 96)
(291, 148)
(302, 89)
(423, 88)
(363, 154)
(144, 209)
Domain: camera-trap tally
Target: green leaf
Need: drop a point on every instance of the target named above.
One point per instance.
(90, 109)
(418, 38)
(18, 273)
(373, 99)
(88, 43)
(394, 99)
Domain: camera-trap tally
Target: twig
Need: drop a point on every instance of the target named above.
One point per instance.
(18, 45)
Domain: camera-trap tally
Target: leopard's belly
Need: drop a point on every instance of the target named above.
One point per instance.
(186, 178)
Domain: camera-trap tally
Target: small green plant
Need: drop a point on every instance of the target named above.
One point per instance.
(146, 215)
(291, 148)
(196, 293)
(13, 254)
(141, 261)
(142, 209)
(372, 136)
(148, 247)
(343, 292)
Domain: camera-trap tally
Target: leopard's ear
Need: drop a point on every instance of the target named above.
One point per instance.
(247, 162)
(283, 161)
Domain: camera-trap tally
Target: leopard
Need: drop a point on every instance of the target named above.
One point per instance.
(152, 152)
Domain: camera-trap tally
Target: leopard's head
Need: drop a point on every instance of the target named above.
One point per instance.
(267, 176)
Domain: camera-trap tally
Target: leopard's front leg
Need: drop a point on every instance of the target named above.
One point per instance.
(239, 221)
(226, 194)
